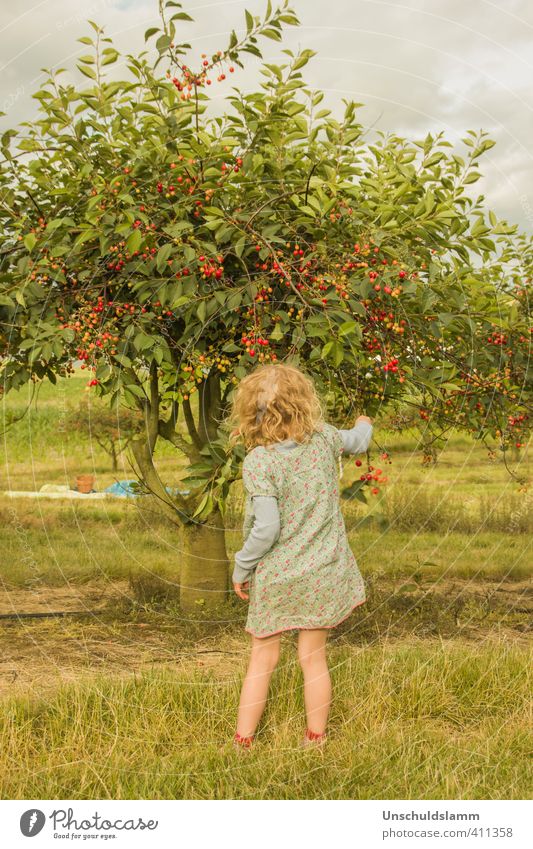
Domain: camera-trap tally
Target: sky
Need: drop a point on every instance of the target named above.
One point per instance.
(418, 66)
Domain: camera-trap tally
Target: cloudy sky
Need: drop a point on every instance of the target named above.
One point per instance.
(417, 65)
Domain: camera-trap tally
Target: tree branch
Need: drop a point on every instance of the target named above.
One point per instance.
(191, 427)
(204, 401)
(167, 430)
(216, 404)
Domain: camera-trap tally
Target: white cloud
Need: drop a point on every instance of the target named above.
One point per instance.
(416, 65)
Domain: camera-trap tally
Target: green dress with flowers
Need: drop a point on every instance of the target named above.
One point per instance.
(309, 578)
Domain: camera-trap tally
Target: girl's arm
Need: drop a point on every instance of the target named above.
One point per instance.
(357, 440)
(264, 533)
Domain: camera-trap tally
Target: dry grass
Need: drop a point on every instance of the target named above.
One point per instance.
(422, 720)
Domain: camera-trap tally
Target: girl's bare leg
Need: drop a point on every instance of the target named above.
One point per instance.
(317, 681)
(263, 660)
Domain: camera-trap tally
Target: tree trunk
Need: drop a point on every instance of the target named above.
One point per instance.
(204, 561)
(204, 568)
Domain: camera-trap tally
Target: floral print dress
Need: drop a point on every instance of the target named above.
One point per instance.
(309, 578)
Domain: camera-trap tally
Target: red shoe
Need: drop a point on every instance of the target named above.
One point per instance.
(313, 739)
(243, 742)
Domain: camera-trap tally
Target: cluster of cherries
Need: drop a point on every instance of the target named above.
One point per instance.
(252, 341)
(373, 474)
(381, 316)
(497, 339)
(263, 295)
(518, 422)
(189, 80)
(391, 365)
(198, 366)
(87, 324)
(210, 267)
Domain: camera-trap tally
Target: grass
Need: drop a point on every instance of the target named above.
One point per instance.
(418, 720)
(54, 543)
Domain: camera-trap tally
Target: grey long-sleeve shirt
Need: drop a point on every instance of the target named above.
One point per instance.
(266, 526)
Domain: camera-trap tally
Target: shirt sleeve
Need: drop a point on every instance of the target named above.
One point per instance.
(333, 438)
(263, 534)
(256, 476)
(356, 440)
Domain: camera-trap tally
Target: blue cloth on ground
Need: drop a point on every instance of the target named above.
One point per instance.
(128, 489)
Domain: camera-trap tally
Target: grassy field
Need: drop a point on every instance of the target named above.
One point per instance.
(124, 697)
(410, 720)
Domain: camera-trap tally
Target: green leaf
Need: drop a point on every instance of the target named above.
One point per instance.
(350, 328)
(203, 505)
(85, 235)
(54, 224)
(303, 59)
(133, 242)
(274, 34)
(239, 246)
(29, 241)
(484, 146)
(136, 390)
(143, 341)
(163, 43)
(214, 210)
(163, 255)
(277, 334)
(354, 491)
(103, 372)
(175, 230)
(122, 359)
(234, 301)
(201, 311)
(89, 72)
(110, 56)
(433, 159)
(333, 350)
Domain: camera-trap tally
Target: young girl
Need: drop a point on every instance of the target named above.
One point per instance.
(296, 567)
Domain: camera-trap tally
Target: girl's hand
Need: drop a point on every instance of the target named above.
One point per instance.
(239, 590)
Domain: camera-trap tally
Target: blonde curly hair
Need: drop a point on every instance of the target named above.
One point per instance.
(274, 402)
